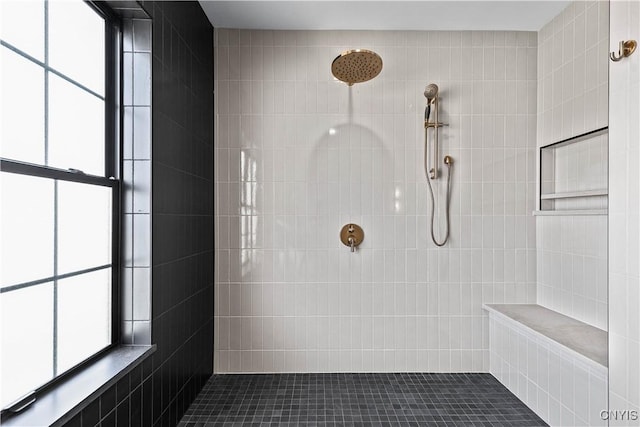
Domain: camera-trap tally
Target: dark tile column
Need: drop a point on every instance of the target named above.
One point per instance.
(180, 210)
(182, 203)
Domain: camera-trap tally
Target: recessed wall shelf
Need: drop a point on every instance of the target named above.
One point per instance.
(571, 212)
(574, 175)
(571, 194)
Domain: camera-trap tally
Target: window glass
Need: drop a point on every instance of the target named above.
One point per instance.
(22, 88)
(56, 224)
(22, 25)
(84, 226)
(26, 340)
(84, 320)
(76, 43)
(27, 213)
(76, 128)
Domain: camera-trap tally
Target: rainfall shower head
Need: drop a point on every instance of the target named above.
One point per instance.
(430, 92)
(356, 66)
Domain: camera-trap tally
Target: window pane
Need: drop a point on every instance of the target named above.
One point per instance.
(76, 128)
(84, 226)
(26, 340)
(22, 25)
(22, 130)
(27, 228)
(84, 317)
(76, 42)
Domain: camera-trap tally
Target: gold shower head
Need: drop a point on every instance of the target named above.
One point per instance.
(356, 66)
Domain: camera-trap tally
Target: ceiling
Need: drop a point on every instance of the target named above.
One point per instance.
(383, 15)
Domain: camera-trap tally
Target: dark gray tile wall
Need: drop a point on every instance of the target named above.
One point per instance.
(159, 391)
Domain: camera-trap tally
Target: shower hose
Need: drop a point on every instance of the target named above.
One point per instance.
(427, 112)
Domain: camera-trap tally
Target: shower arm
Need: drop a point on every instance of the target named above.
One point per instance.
(433, 172)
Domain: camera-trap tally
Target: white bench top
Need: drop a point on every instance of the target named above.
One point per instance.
(578, 336)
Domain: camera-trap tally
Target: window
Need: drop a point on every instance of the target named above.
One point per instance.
(59, 199)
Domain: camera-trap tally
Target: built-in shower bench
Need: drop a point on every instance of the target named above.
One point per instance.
(583, 339)
(545, 358)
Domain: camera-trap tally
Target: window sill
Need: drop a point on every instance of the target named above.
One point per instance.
(68, 398)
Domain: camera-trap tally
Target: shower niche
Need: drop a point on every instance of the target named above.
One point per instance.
(574, 175)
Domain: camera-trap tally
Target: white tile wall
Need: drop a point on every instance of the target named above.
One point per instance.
(573, 99)
(573, 72)
(572, 266)
(624, 217)
(561, 388)
(298, 155)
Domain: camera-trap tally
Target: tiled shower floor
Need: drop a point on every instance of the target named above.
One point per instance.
(357, 400)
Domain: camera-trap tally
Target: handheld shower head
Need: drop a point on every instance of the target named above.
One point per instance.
(430, 92)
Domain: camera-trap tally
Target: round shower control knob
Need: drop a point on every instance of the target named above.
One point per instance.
(351, 235)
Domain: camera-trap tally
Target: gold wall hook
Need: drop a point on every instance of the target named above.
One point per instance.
(626, 48)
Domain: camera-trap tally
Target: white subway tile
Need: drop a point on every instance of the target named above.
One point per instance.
(308, 182)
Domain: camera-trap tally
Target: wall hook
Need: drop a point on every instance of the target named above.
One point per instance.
(626, 48)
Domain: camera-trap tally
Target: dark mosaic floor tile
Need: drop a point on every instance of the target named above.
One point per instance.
(357, 400)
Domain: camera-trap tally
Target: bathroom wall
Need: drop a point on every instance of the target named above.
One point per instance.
(573, 99)
(624, 220)
(182, 206)
(158, 392)
(298, 155)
